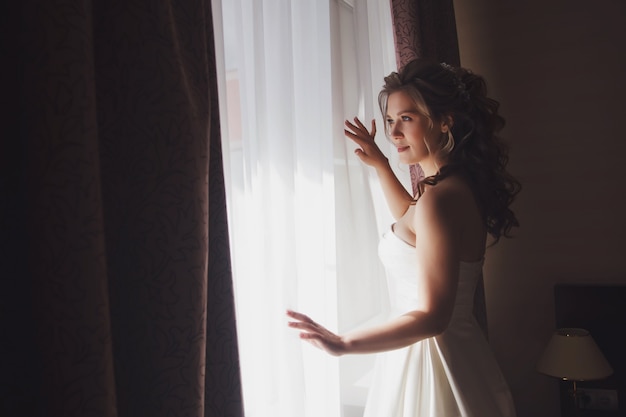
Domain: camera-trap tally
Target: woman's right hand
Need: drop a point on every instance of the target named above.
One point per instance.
(368, 152)
(317, 335)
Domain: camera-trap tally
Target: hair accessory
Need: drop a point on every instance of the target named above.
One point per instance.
(460, 85)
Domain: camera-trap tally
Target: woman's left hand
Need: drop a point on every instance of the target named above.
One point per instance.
(317, 335)
(368, 150)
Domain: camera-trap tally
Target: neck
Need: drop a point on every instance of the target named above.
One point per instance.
(430, 166)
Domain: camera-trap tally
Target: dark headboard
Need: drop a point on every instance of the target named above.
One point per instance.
(601, 309)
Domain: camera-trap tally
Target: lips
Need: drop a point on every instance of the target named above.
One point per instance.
(402, 148)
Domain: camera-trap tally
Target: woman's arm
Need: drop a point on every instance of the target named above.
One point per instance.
(437, 256)
(397, 333)
(398, 199)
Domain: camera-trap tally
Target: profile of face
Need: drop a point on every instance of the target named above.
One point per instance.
(414, 136)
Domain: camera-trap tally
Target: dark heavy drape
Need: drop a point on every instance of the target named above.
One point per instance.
(427, 29)
(116, 281)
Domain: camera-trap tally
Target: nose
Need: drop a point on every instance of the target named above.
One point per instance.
(394, 131)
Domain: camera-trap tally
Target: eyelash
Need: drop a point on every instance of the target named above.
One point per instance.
(404, 119)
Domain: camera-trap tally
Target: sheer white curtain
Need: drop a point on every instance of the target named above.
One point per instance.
(304, 214)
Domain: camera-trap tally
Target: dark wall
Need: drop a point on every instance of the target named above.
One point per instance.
(558, 69)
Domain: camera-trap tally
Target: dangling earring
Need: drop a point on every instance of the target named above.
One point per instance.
(448, 142)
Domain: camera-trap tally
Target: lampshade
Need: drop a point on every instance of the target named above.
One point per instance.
(572, 354)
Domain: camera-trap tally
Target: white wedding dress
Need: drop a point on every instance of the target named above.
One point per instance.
(452, 374)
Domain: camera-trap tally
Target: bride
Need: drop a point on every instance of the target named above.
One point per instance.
(432, 357)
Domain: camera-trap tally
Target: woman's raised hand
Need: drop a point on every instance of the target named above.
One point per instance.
(317, 335)
(368, 152)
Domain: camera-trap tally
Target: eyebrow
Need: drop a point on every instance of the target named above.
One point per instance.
(412, 111)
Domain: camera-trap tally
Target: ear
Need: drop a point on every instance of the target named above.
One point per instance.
(446, 123)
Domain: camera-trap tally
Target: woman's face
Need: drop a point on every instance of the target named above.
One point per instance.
(408, 130)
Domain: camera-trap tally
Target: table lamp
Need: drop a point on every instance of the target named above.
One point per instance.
(572, 355)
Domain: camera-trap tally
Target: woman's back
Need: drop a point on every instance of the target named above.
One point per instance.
(464, 215)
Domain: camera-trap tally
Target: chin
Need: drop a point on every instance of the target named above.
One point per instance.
(408, 160)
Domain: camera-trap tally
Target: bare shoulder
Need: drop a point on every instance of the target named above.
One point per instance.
(450, 209)
(451, 195)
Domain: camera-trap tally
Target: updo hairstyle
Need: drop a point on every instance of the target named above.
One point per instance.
(472, 148)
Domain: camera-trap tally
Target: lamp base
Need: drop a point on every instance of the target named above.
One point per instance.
(570, 400)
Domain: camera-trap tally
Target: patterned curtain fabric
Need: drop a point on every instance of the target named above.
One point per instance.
(427, 29)
(118, 297)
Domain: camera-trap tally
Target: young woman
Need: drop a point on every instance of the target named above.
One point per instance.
(433, 358)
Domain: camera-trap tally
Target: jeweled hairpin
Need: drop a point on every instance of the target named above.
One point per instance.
(460, 85)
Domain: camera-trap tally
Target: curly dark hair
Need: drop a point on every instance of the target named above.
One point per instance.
(473, 150)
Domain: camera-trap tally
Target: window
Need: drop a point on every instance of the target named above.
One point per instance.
(304, 213)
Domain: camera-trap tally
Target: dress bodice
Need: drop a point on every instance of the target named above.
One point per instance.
(452, 374)
(400, 261)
